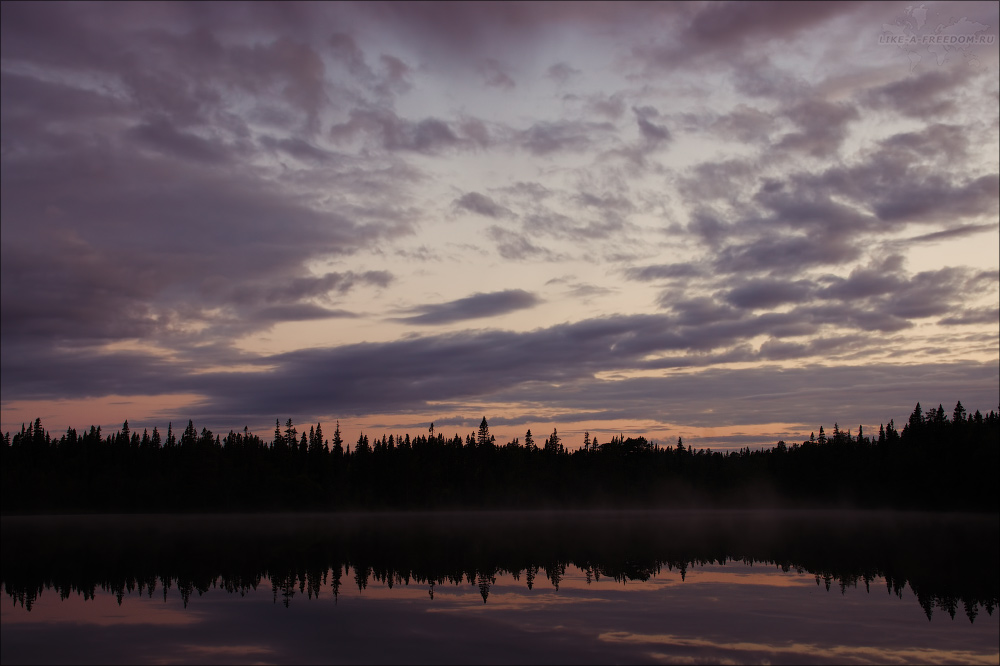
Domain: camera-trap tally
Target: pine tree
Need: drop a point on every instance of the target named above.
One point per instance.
(320, 444)
(338, 442)
(279, 440)
(552, 443)
(483, 437)
(190, 435)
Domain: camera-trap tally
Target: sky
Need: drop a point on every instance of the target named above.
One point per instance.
(733, 223)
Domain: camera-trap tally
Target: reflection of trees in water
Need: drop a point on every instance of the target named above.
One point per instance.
(949, 562)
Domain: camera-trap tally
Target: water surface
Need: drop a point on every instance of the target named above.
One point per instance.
(584, 587)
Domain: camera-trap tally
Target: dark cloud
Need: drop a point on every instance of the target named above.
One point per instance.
(776, 350)
(784, 254)
(763, 293)
(923, 95)
(936, 200)
(429, 135)
(247, 292)
(397, 74)
(344, 49)
(133, 241)
(931, 293)
(744, 123)
(481, 204)
(650, 132)
(527, 370)
(758, 77)
(298, 148)
(663, 272)
(950, 141)
(298, 312)
(984, 316)
(955, 232)
(725, 180)
(472, 307)
(609, 106)
(699, 311)
(544, 138)
(161, 135)
(562, 72)
(517, 246)
(900, 182)
(532, 192)
(865, 283)
(556, 366)
(716, 31)
(823, 127)
(494, 75)
(564, 227)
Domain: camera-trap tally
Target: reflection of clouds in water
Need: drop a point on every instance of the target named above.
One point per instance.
(102, 610)
(773, 577)
(742, 652)
(723, 617)
(196, 651)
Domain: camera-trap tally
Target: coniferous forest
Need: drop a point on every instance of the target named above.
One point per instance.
(936, 461)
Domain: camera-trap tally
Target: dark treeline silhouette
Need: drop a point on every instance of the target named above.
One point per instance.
(948, 561)
(936, 461)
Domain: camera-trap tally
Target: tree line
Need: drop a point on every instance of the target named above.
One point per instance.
(936, 461)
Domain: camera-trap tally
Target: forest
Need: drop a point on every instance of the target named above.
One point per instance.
(936, 461)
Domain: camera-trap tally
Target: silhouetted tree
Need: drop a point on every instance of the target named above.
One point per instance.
(483, 437)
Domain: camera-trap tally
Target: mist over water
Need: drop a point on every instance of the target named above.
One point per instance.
(587, 586)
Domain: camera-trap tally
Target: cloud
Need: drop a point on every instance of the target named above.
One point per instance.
(292, 289)
(651, 133)
(919, 96)
(936, 200)
(984, 316)
(716, 31)
(476, 306)
(161, 135)
(298, 312)
(481, 204)
(429, 135)
(950, 140)
(562, 72)
(823, 127)
(298, 148)
(517, 246)
(494, 75)
(765, 293)
(544, 138)
(663, 272)
(745, 123)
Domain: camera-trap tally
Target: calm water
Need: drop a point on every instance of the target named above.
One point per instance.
(588, 587)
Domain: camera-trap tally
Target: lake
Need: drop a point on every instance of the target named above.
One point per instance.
(500, 587)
